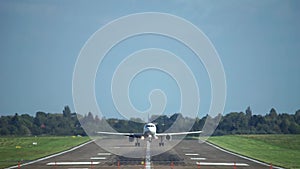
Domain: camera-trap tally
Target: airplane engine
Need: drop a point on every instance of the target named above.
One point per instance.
(168, 137)
(131, 139)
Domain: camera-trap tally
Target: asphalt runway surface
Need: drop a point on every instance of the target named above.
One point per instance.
(186, 154)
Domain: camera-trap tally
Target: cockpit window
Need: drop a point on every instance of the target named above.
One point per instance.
(149, 125)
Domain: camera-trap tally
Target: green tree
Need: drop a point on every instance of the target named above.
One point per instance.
(297, 117)
(67, 112)
(248, 112)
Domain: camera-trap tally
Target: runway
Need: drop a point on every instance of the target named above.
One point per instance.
(186, 154)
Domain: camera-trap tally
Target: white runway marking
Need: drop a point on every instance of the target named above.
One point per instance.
(51, 156)
(191, 154)
(98, 158)
(104, 154)
(222, 164)
(198, 158)
(238, 155)
(73, 163)
(148, 156)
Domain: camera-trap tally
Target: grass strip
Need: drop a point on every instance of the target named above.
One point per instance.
(280, 150)
(24, 149)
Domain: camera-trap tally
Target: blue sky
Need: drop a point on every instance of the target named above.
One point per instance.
(258, 43)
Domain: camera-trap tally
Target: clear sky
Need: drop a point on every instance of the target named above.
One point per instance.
(258, 43)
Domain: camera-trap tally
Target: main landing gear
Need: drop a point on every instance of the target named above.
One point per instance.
(161, 142)
(137, 143)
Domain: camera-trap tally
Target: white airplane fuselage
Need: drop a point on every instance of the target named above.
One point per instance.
(149, 131)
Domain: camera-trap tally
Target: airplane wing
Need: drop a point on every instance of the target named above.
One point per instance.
(179, 133)
(135, 135)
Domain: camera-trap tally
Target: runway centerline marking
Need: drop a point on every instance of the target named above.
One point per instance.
(148, 156)
(222, 164)
(73, 163)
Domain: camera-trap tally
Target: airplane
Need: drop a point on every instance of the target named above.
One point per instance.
(149, 131)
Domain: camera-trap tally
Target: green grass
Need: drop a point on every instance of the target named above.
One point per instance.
(280, 150)
(14, 149)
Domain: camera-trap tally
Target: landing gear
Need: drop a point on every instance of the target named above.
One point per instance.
(150, 139)
(137, 144)
(161, 142)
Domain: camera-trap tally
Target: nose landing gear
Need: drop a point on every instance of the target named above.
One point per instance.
(150, 138)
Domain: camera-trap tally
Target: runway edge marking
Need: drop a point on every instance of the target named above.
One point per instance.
(241, 156)
(53, 155)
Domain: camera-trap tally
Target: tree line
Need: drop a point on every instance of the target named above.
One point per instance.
(65, 123)
(271, 123)
(68, 123)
